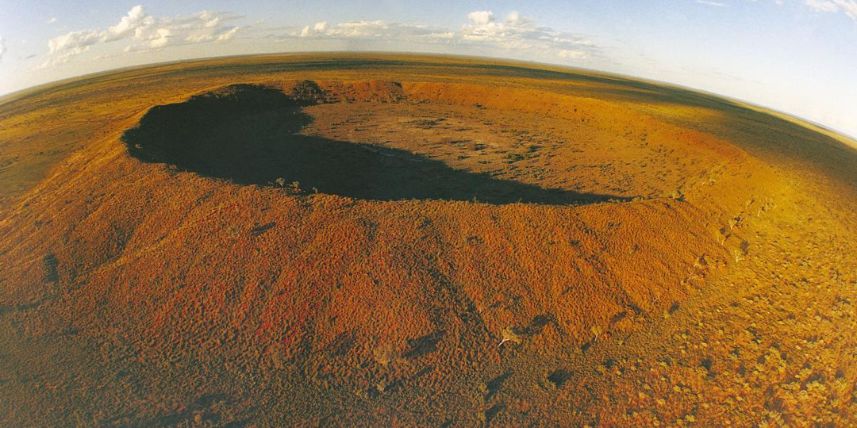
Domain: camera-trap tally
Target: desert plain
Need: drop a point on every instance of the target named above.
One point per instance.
(400, 240)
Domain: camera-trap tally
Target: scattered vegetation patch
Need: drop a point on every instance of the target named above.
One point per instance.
(559, 377)
(493, 385)
(492, 412)
(260, 229)
(423, 345)
(49, 264)
(427, 123)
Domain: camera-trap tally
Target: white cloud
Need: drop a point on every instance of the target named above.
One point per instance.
(822, 5)
(711, 3)
(481, 17)
(372, 30)
(482, 30)
(77, 42)
(359, 29)
(136, 22)
(2, 48)
(848, 7)
(161, 38)
(519, 32)
(141, 31)
(317, 28)
(51, 20)
(227, 35)
(572, 54)
(482, 33)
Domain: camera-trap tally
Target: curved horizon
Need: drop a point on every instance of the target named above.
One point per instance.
(794, 57)
(849, 140)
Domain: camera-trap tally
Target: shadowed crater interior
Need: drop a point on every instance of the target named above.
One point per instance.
(250, 134)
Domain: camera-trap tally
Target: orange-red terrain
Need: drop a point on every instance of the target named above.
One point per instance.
(419, 241)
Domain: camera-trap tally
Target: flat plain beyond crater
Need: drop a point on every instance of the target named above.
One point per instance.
(367, 239)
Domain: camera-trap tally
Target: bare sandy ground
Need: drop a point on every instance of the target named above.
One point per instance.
(389, 240)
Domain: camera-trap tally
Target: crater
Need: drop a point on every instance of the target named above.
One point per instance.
(256, 135)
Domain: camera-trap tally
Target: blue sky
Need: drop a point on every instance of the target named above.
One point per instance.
(797, 56)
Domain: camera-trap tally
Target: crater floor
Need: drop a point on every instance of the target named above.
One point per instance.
(249, 134)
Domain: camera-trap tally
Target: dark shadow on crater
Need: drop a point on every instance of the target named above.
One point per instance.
(249, 135)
